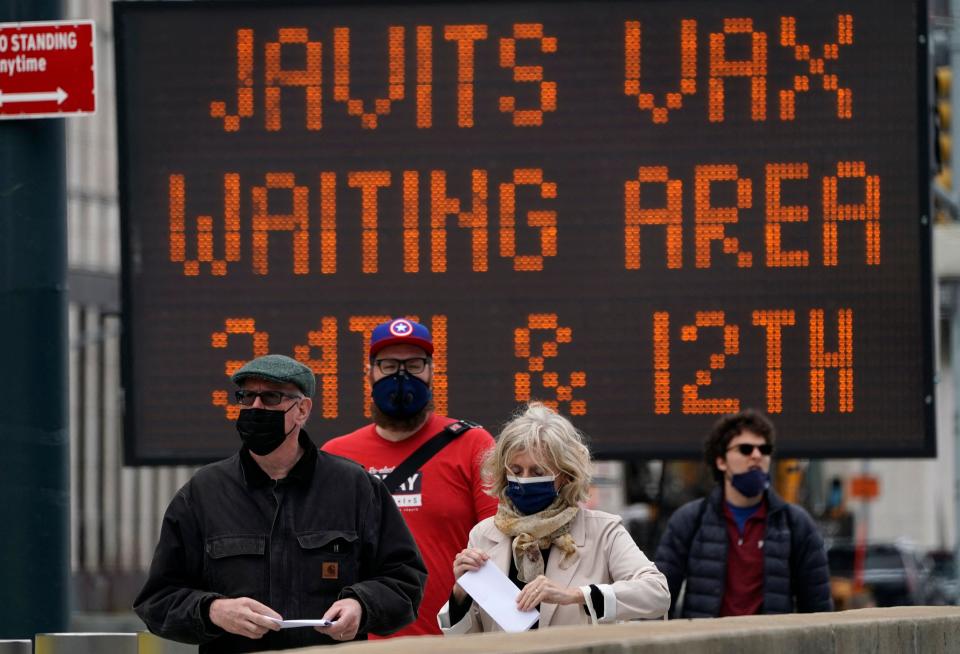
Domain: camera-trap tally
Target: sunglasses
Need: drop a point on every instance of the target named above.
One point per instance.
(746, 449)
(269, 398)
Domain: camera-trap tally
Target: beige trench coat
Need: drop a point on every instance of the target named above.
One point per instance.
(631, 584)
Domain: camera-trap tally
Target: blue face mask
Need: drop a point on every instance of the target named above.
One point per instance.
(751, 483)
(401, 395)
(531, 494)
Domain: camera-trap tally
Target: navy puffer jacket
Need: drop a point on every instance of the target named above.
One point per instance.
(694, 548)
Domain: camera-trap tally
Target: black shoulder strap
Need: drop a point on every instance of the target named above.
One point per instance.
(425, 452)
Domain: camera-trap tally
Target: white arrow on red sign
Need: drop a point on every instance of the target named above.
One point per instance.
(40, 96)
(57, 79)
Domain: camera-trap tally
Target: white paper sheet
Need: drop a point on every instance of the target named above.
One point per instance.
(288, 624)
(497, 595)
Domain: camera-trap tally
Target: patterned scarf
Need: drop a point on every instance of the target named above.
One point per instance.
(531, 533)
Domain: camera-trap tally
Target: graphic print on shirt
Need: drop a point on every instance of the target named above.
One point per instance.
(409, 494)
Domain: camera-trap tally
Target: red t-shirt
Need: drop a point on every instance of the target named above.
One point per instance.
(743, 594)
(441, 502)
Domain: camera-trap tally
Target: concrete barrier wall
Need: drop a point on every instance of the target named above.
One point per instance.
(899, 630)
(86, 643)
(150, 644)
(97, 643)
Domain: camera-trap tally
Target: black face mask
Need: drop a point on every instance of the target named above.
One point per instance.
(261, 430)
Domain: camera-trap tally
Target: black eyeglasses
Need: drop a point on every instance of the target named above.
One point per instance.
(269, 398)
(746, 449)
(414, 365)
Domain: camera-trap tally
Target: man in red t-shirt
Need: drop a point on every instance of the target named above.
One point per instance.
(442, 500)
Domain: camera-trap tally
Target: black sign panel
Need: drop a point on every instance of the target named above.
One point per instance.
(645, 213)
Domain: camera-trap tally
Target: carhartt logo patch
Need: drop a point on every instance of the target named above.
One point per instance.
(331, 570)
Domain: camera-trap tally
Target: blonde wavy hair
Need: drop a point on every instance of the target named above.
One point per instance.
(552, 441)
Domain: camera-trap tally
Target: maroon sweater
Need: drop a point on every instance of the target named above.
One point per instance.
(743, 594)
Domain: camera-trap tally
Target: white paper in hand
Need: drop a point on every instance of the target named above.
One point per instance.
(289, 624)
(497, 595)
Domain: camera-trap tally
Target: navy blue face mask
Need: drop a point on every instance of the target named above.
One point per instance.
(751, 483)
(531, 494)
(401, 395)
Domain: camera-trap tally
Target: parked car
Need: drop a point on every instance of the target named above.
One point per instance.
(892, 572)
(944, 581)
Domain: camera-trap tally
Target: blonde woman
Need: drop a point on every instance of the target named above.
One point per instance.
(576, 565)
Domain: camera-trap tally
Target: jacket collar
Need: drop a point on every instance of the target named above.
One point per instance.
(301, 473)
(774, 502)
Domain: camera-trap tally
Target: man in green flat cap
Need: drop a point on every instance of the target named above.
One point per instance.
(280, 531)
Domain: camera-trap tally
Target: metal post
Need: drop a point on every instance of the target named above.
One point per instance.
(954, 289)
(35, 511)
(954, 41)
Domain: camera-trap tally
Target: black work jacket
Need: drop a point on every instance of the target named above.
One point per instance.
(694, 548)
(327, 531)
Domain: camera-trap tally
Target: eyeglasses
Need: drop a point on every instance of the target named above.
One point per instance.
(414, 365)
(746, 449)
(269, 398)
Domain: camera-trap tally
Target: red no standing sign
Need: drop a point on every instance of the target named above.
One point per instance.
(47, 69)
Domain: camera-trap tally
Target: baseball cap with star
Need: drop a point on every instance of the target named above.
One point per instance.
(397, 331)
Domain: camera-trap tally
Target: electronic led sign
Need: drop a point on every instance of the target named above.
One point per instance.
(646, 214)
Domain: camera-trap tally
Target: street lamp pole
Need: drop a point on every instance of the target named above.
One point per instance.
(34, 435)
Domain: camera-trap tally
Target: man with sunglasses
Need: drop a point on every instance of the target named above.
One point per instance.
(280, 530)
(442, 496)
(743, 550)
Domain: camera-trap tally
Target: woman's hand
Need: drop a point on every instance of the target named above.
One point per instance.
(542, 590)
(467, 560)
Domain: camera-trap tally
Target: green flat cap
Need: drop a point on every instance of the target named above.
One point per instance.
(280, 369)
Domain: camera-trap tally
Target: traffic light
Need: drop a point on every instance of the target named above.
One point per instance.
(943, 78)
(944, 204)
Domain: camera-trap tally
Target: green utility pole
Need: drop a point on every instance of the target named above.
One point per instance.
(34, 445)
